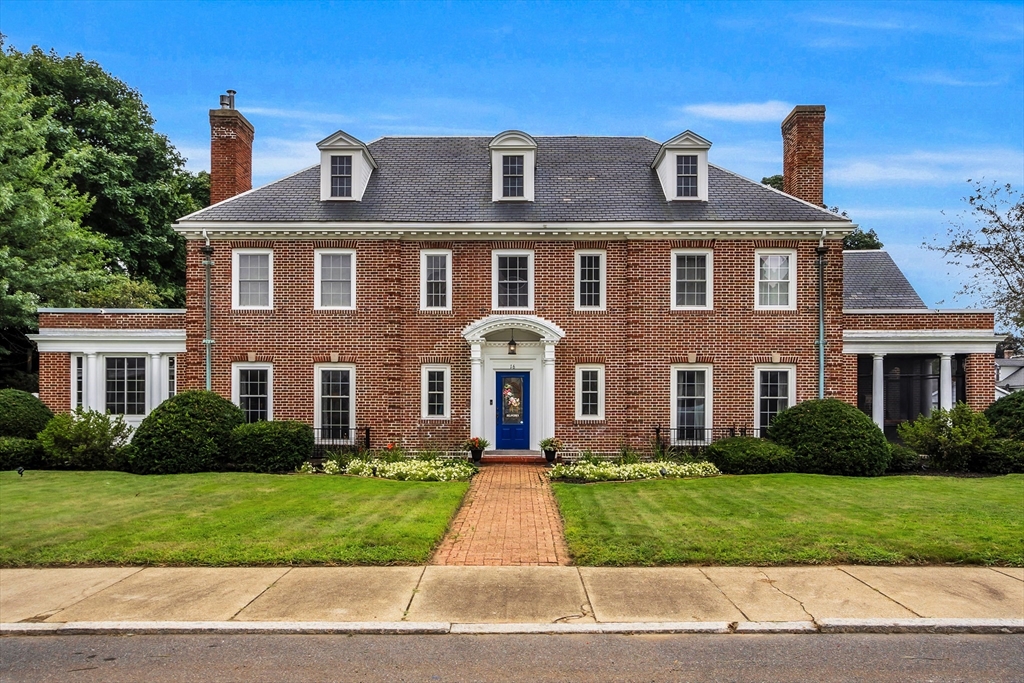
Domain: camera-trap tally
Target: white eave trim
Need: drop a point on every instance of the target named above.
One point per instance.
(920, 341)
(54, 340)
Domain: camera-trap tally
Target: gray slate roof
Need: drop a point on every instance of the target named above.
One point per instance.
(447, 179)
(871, 279)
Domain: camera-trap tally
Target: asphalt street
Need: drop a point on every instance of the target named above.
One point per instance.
(280, 659)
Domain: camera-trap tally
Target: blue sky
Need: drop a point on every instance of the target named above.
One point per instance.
(920, 96)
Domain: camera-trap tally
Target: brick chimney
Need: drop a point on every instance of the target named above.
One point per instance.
(230, 150)
(803, 153)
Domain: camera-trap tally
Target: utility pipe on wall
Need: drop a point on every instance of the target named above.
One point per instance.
(822, 250)
(207, 251)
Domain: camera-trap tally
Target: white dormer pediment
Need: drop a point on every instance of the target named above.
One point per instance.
(345, 167)
(513, 159)
(682, 167)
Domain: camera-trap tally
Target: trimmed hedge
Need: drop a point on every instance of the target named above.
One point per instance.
(952, 439)
(190, 432)
(278, 446)
(85, 440)
(22, 414)
(749, 455)
(16, 452)
(904, 460)
(831, 437)
(1007, 416)
(1001, 456)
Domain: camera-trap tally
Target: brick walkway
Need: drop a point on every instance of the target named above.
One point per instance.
(509, 518)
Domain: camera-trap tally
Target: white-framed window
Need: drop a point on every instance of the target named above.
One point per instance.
(341, 175)
(590, 280)
(252, 279)
(686, 175)
(775, 279)
(334, 279)
(335, 392)
(590, 392)
(436, 280)
(125, 382)
(692, 279)
(692, 402)
(77, 381)
(513, 177)
(774, 391)
(172, 376)
(252, 390)
(435, 391)
(512, 280)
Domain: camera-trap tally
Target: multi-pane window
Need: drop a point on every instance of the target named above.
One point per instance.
(513, 281)
(691, 280)
(436, 280)
(773, 395)
(335, 403)
(253, 280)
(254, 393)
(686, 175)
(341, 176)
(590, 281)
(513, 180)
(589, 392)
(691, 405)
(435, 390)
(126, 386)
(172, 376)
(774, 280)
(79, 381)
(335, 280)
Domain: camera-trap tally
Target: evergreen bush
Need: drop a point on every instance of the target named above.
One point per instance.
(1001, 456)
(22, 414)
(277, 446)
(750, 455)
(904, 460)
(828, 436)
(17, 452)
(952, 439)
(85, 440)
(1007, 416)
(190, 432)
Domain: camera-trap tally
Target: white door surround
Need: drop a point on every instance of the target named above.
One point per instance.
(535, 355)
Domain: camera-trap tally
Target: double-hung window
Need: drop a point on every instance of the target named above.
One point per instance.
(692, 279)
(253, 390)
(436, 280)
(126, 385)
(252, 279)
(589, 392)
(512, 273)
(334, 279)
(774, 391)
(341, 175)
(776, 278)
(512, 176)
(686, 175)
(78, 377)
(691, 404)
(172, 376)
(335, 402)
(590, 280)
(435, 391)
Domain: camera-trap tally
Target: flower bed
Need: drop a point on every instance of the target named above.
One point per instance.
(609, 471)
(404, 470)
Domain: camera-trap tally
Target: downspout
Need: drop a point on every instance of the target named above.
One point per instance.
(822, 250)
(207, 252)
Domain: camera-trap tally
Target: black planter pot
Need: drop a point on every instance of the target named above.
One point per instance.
(477, 454)
(550, 455)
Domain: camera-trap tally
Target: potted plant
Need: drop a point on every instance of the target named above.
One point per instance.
(550, 446)
(476, 446)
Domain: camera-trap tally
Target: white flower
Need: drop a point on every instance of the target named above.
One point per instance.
(609, 471)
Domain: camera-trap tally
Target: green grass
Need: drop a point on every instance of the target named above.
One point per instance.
(96, 518)
(796, 519)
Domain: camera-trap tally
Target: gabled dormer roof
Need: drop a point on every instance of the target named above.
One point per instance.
(685, 140)
(512, 139)
(342, 141)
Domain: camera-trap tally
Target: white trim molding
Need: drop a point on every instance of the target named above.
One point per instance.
(235, 382)
(925, 342)
(495, 255)
(792, 282)
(709, 264)
(447, 253)
(709, 399)
(514, 143)
(665, 165)
(235, 253)
(318, 393)
(791, 381)
(603, 269)
(595, 367)
(106, 341)
(425, 371)
(318, 255)
(363, 164)
(478, 330)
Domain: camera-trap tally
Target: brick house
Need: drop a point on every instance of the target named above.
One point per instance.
(593, 288)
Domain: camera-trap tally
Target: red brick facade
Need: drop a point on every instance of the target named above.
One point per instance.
(231, 137)
(803, 154)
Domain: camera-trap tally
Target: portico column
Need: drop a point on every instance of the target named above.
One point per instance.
(548, 424)
(476, 389)
(945, 381)
(92, 383)
(155, 380)
(878, 390)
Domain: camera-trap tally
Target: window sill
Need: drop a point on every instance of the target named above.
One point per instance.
(763, 309)
(435, 311)
(581, 421)
(692, 309)
(589, 310)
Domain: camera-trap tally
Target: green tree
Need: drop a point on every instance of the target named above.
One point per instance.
(773, 181)
(858, 239)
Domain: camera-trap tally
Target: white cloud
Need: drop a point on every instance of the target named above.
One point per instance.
(929, 168)
(772, 110)
(299, 114)
(904, 214)
(955, 80)
(874, 25)
(273, 158)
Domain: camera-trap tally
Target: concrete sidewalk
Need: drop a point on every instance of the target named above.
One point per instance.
(520, 599)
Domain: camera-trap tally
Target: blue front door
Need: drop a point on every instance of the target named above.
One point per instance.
(513, 418)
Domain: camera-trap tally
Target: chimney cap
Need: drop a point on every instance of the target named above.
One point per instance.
(804, 109)
(228, 101)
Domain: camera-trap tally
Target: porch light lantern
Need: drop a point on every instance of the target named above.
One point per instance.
(512, 344)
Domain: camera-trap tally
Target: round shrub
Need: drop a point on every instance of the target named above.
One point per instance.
(22, 414)
(904, 460)
(278, 446)
(831, 437)
(190, 432)
(85, 440)
(1007, 416)
(16, 452)
(749, 455)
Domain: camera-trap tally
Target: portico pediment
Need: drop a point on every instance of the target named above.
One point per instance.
(478, 330)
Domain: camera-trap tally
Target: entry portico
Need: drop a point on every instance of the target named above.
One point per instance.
(535, 340)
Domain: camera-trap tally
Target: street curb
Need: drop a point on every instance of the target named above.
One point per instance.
(776, 627)
(921, 625)
(594, 628)
(227, 627)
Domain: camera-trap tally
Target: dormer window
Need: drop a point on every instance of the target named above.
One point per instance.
(341, 176)
(686, 175)
(513, 183)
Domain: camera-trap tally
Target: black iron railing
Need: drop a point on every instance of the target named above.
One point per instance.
(332, 439)
(687, 437)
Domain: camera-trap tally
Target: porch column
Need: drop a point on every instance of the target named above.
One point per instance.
(945, 381)
(476, 389)
(878, 390)
(548, 424)
(91, 397)
(155, 380)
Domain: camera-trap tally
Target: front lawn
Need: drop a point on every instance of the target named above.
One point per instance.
(68, 518)
(796, 519)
